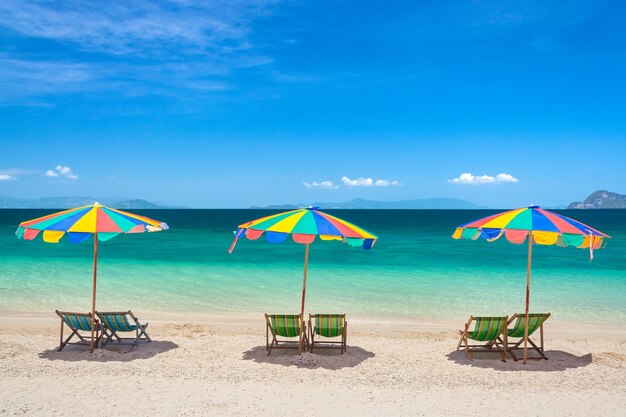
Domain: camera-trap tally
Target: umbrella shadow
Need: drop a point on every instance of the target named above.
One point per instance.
(557, 361)
(323, 358)
(110, 353)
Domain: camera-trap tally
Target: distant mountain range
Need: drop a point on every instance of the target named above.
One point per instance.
(69, 202)
(601, 199)
(428, 203)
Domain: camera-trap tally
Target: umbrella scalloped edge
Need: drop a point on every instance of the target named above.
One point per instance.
(539, 237)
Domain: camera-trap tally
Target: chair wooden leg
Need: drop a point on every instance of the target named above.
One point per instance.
(269, 351)
(467, 349)
(539, 351)
(458, 346)
(64, 343)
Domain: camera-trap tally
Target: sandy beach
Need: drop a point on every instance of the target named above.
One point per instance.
(210, 366)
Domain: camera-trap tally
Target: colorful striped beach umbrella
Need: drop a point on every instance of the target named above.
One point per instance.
(304, 225)
(544, 227)
(103, 223)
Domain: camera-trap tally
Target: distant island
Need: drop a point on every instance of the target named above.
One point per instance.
(601, 199)
(423, 204)
(70, 202)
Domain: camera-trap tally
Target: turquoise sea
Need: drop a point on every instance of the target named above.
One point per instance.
(415, 271)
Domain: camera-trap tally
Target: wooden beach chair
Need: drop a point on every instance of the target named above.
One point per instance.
(490, 331)
(116, 322)
(77, 323)
(535, 321)
(284, 325)
(328, 326)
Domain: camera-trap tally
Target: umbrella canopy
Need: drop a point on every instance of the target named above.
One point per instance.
(544, 227)
(304, 225)
(548, 229)
(81, 223)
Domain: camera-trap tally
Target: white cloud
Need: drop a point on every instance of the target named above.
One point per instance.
(468, 178)
(62, 171)
(321, 184)
(6, 177)
(368, 182)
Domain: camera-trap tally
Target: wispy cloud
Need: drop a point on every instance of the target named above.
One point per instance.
(143, 27)
(63, 172)
(141, 47)
(12, 174)
(321, 184)
(468, 178)
(368, 182)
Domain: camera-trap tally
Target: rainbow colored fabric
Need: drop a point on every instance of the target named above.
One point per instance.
(80, 223)
(546, 227)
(304, 225)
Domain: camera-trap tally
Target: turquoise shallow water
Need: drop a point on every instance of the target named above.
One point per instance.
(416, 270)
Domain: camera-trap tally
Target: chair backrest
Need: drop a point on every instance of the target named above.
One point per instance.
(116, 321)
(78, 321)
(329, 325)
(534, 322)
(285, 325)
(488, 328)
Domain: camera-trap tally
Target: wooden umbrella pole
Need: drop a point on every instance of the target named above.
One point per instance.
(93, 299)
(306, 267)
(530, 255)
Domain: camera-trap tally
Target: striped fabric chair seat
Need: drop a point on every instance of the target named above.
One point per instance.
(329, 325)
(534, 322)
(490, 331)
(286, 325)
(487, 328)
(114, 322)
(118, 322)
(78, 321)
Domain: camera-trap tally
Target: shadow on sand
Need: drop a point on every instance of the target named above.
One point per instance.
(322, 358)
(557, 361)
(110, 353)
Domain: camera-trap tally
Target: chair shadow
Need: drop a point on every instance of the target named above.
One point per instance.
(557, 361)
(110, 353)
(322, 358)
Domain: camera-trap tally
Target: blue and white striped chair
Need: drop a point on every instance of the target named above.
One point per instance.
(77, 322)
(115, 322)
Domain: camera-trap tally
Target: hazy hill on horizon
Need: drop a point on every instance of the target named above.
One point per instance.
(70, 202)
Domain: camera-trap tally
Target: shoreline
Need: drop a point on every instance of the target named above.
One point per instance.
(386, 325)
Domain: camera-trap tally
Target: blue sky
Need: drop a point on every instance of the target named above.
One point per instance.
(237, 103)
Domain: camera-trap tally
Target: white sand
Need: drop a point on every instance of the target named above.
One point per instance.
(391, 368)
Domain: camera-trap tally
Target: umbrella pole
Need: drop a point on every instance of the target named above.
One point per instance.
(93, 299)
(306, 267)
(530, 255)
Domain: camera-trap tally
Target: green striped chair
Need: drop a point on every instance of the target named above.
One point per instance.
(77, 322)
(535, 321)
(490, 331)
(115, 322)
(285, 326)
(328, 326)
